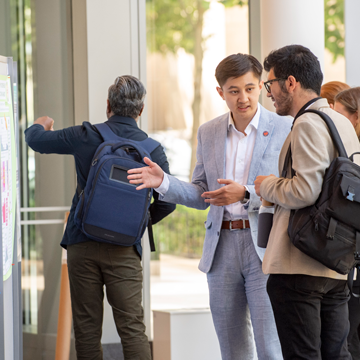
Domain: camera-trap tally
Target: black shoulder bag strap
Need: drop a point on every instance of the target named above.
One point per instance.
(288, 154)
(333, 133)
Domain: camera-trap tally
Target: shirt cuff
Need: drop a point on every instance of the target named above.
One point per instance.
(164, 186)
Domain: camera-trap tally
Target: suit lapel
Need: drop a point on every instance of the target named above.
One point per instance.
(220, 135)
(263, 136)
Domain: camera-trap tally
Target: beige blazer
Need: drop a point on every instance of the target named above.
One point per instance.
(312, 152)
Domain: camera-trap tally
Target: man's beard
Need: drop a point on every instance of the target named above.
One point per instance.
(283, 103)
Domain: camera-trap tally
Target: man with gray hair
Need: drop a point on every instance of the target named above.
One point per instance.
(94, 264)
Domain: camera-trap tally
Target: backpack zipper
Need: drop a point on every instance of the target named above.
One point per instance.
(126, 149)
(96, 160)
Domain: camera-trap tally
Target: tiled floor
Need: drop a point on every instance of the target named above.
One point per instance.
(113, 352)
(179, 285)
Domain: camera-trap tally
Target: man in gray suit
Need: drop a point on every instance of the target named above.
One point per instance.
(232, 150)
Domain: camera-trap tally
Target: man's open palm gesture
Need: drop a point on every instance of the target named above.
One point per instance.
(149, 176)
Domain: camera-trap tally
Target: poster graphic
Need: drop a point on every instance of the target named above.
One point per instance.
(8, 174)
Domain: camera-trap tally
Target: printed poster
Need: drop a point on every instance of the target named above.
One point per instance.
(7, 174)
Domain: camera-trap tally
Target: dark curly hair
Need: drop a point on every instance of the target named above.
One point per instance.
(298, 61)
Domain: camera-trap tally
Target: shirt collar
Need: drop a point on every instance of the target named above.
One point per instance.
(123, 120)
(254, 121)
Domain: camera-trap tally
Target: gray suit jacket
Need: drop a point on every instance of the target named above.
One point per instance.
(211, 151)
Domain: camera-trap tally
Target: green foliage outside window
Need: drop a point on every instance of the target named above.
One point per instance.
(334, 27)
(175, 24)
(171, 24)
(181, 233)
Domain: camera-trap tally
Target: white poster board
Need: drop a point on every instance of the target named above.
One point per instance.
(7, 173)
(10, 293)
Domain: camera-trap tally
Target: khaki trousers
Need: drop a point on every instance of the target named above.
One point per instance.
(91, 266)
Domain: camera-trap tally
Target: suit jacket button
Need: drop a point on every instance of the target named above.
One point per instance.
(218, 233)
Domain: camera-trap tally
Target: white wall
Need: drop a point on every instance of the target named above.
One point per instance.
(113, 48)
(352, 44)
(285, 22)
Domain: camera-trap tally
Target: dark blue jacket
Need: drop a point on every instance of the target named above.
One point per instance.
(82, 142)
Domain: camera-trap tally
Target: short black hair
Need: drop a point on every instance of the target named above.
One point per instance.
(237, 65)
(298, 61)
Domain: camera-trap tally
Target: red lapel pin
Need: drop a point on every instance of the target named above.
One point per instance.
(265, 133)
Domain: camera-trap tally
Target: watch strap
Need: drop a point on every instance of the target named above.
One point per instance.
(246, 196)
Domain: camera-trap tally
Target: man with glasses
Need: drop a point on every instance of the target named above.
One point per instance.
(232, 150)
(94, 264)
(268, 83)
(309, 300)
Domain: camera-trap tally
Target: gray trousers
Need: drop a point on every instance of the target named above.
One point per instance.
(91, 266)
(239, 303)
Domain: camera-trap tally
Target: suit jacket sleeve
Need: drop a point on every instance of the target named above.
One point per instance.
(189, 194)
(310, 159)
(255, 202)
(159, 209)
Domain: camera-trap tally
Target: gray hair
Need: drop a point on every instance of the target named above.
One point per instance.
(126, 96)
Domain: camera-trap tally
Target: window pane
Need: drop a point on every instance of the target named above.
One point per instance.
(334, 59)
(186, 41)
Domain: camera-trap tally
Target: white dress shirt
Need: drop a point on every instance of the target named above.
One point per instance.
(239, 149)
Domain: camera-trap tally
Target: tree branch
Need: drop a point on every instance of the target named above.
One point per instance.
(182, 4)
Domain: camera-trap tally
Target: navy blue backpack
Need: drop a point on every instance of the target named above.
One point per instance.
(110, 209)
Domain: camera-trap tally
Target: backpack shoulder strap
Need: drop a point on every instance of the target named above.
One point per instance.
(333, 131)
(106, 132)
(286, 164)
(149, 144)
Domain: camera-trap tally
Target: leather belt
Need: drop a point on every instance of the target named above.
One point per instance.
(235, 224)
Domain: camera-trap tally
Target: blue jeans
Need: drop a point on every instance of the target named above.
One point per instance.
(240, 306)
(311, 315)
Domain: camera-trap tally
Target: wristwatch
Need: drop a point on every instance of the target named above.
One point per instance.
(246, 196)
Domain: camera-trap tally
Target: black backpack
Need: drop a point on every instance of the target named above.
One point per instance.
(329, 230)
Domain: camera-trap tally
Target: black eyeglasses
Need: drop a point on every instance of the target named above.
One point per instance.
(268, 83)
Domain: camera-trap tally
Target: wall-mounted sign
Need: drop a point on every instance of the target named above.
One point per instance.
(8, 173)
